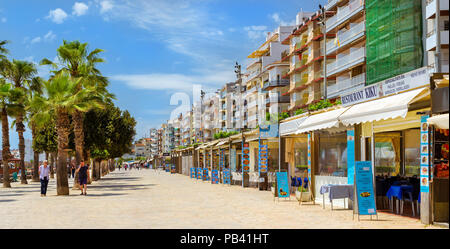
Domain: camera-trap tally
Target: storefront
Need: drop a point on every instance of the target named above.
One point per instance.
(390, 136)
(439, 127)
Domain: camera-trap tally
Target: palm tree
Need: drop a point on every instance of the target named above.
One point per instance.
(20, 73)
(3, 50)
(75, 59)
(9, 97)
(61, 96)
(34, 88)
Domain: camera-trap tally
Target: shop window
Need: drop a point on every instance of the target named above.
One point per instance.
(301, 157)
(273, 160)
(333, 154)
(412, 152)
(387, 154)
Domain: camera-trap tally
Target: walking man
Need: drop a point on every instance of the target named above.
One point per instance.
(82, 176)
(44, 172)
(73, 169)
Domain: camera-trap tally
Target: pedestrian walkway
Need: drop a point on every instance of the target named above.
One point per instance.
(148, 199)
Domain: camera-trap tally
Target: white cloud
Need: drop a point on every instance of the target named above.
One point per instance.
(79, 9)
(276, 18)
(50, 36)
(35, 40)
(256, 32)
(57, 15)
(105, 6)
(3, 20)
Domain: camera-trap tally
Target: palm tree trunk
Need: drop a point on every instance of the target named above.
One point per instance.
(35, 157)
(20, 128)
(35, 167)
(5, 148)
(62, 126)
(52, 165)
(79, 135)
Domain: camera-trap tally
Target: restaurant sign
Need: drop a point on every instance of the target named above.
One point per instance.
(226, 176)
(365, 94)
(364, 188)
(245, 157)
(193, 173)
(282, 185)
(406, 81)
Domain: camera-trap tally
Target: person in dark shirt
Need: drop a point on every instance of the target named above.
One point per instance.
(82, 176)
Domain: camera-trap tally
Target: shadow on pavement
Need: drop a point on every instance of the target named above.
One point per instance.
(120, 178)
(7, 200)
(104, 194)
(16, 194)
(122, 187)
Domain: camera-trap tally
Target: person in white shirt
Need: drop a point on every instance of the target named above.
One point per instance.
(44, 172)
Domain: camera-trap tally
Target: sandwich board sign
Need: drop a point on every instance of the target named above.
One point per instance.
(282, 185)
(365, 189)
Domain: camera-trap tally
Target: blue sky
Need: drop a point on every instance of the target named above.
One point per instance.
(153, 48)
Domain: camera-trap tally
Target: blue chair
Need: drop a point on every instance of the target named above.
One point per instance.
(305, 181)
(15, 178)
(407, 196)
(299, 182)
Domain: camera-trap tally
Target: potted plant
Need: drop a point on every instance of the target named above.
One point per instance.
(302, 194)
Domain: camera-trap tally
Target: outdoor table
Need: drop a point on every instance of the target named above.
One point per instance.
(336, 192)
(397, 192)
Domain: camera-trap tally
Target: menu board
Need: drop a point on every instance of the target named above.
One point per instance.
(205, 174)
(199, 173)
(193, 173)
(221, 160)
(226, 176)
(245, 157)
(282, 185)
(424, 153)
(214, 176)
(364, 188)
(263, 158)
(173, 169)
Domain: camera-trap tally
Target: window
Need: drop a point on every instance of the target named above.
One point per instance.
(387, 153)
(333, 154)
(301, 155)
(412, 152)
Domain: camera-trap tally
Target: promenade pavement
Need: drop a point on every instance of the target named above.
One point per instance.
(151, 199)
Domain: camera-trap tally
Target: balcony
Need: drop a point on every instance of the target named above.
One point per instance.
(431, 39)
(275, 99)
(275, 83)
(253, 74)
(346, 61)
(252, 104)
(252, 118)
(346, 86)
(344, 14)
(346, 37)
(431, 7)
(330, 4)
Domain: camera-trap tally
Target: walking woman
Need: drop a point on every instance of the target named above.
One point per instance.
(82, 176)
(44, 172)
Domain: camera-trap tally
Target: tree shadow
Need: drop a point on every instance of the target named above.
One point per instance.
(7, 200)
(15, 194)
(122, 187)
(120, 178)
(104, 194)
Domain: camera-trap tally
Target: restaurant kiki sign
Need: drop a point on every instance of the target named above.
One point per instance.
(367, 93)
(394, 85)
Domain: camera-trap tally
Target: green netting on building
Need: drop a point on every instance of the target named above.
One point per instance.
(393, 38)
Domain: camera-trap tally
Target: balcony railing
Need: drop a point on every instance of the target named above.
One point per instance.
(343, 14)
(345, 37)
(252, 104)
(346, 86)
(254, 74)
(276, 83)
(331, 3)
(345, 60)
(277, 99)
(254, 117)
